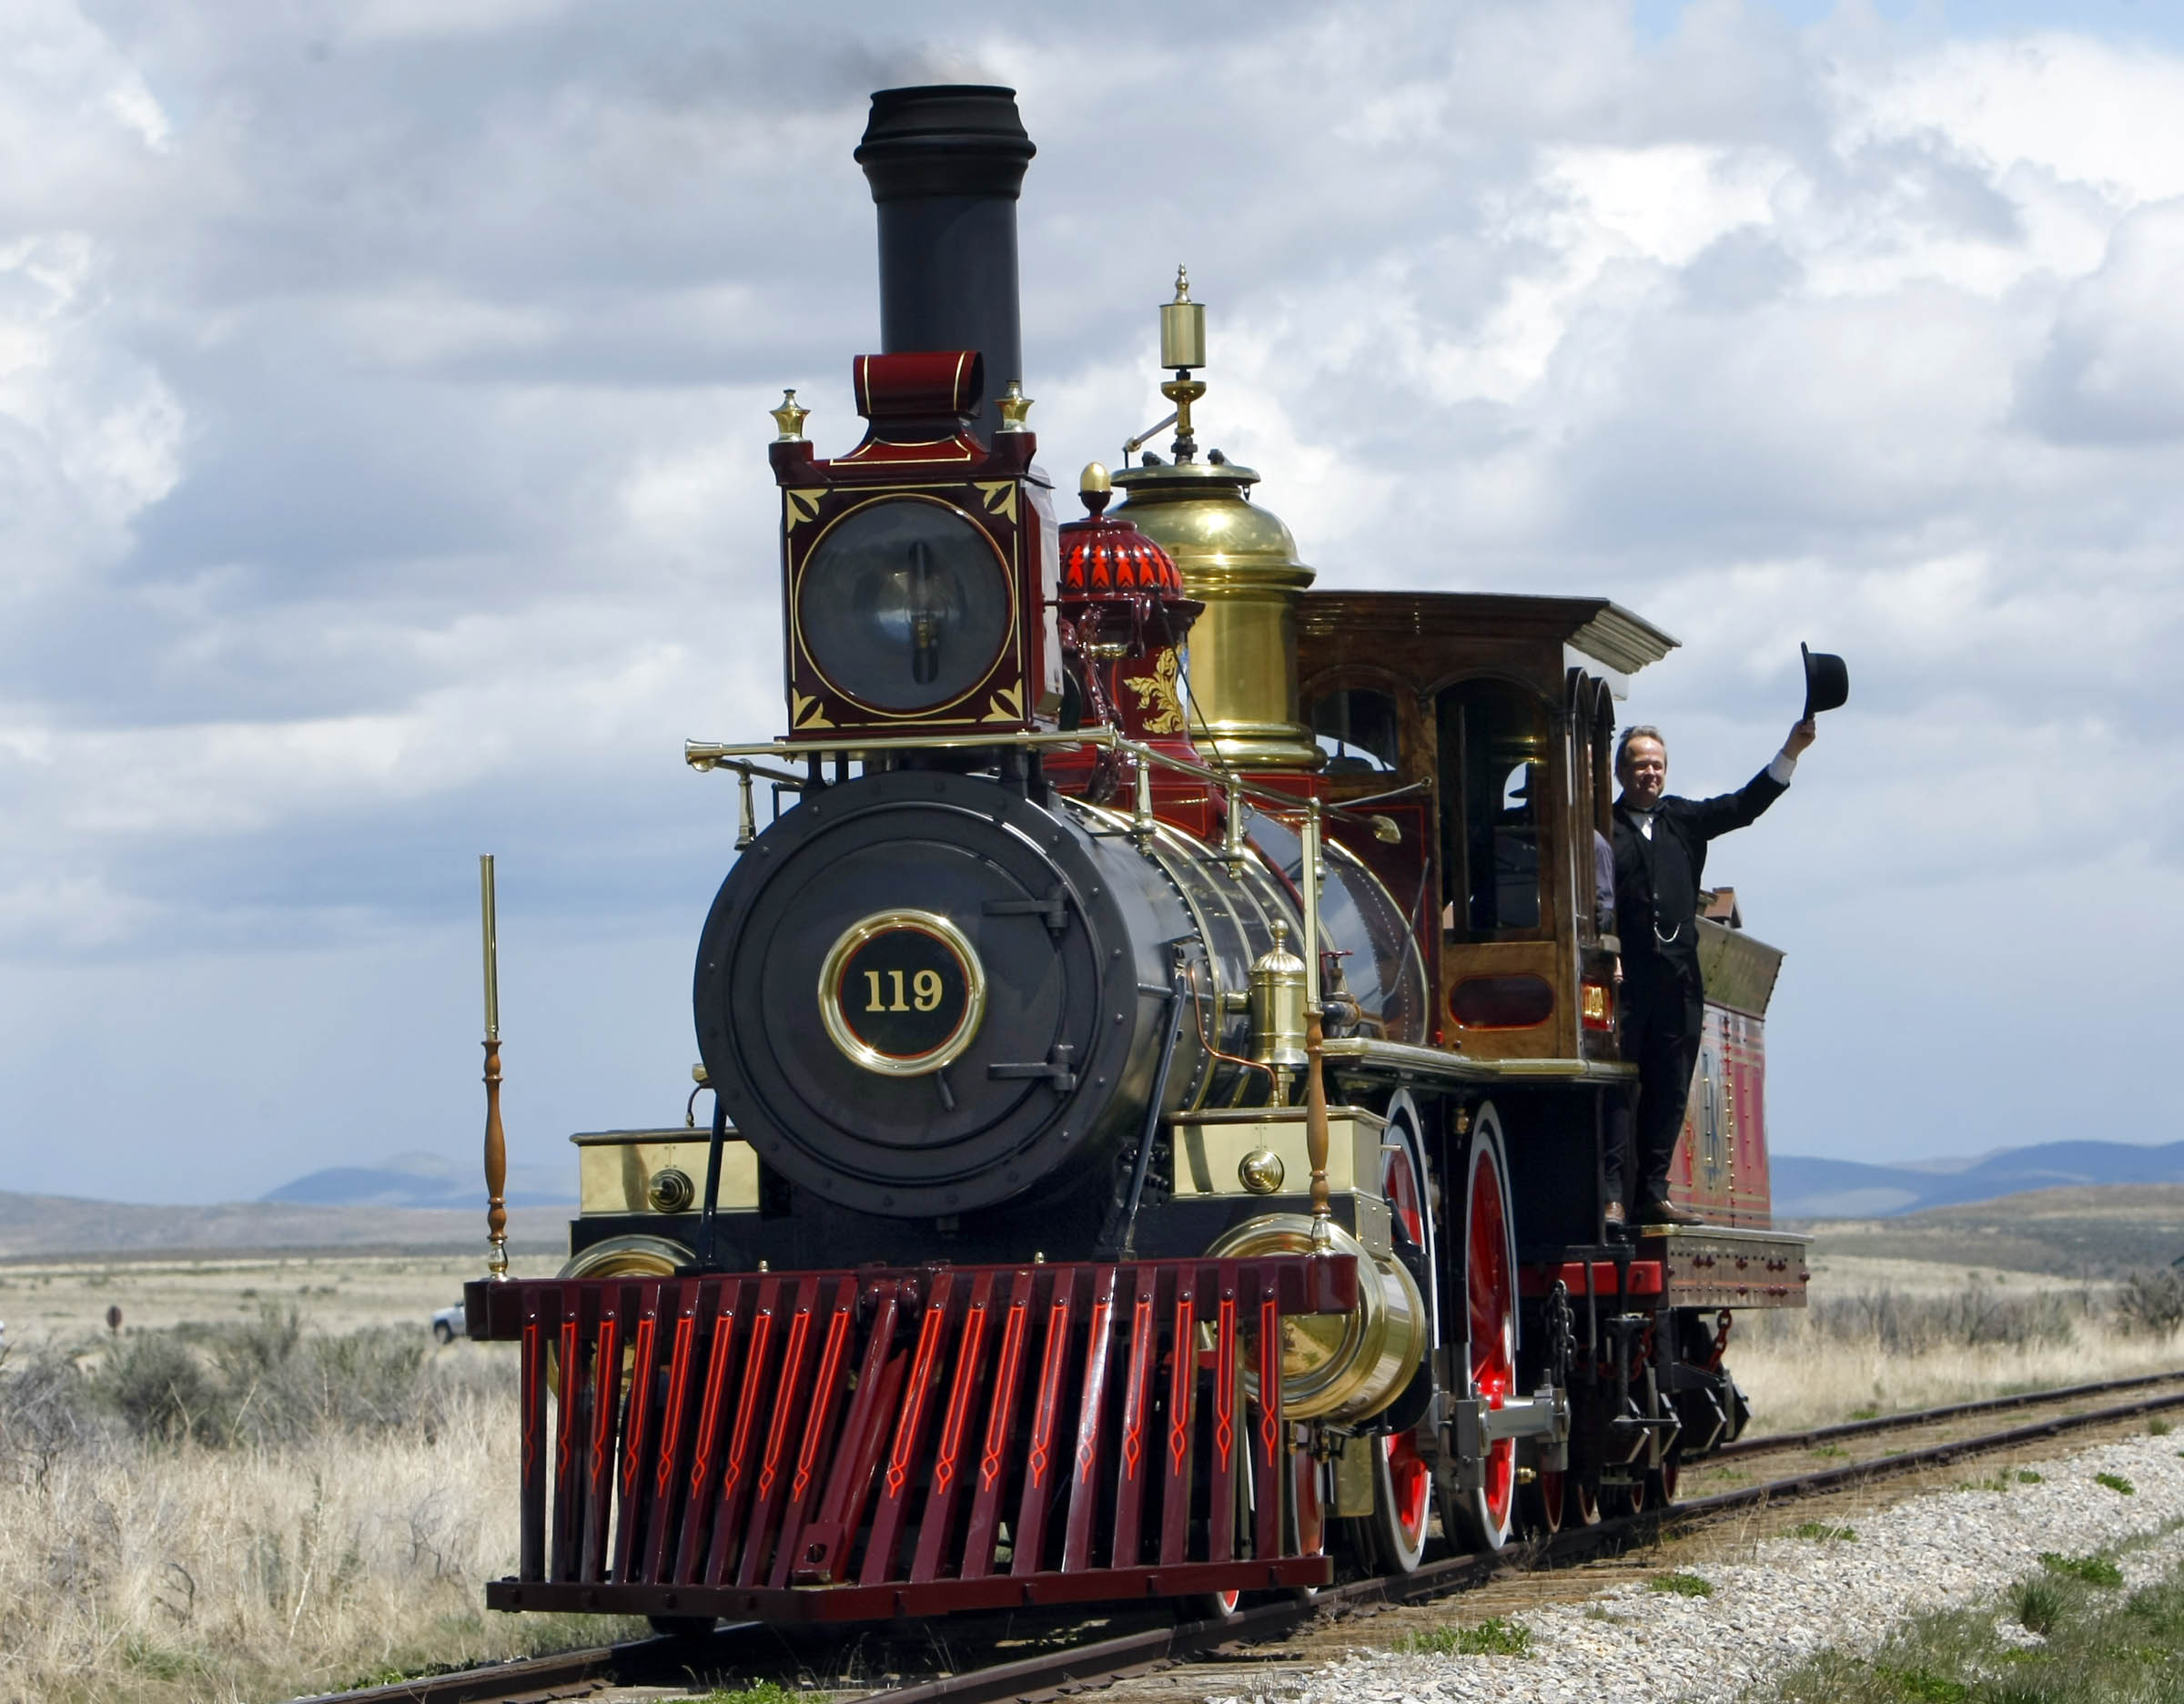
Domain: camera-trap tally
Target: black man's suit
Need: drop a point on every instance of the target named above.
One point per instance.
(1657, 880)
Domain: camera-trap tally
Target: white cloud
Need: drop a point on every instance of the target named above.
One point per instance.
(382, 437)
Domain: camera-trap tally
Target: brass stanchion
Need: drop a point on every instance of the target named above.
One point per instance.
(496, 1142)
(1315, 1122)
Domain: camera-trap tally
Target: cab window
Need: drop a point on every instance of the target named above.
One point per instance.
(1356, 728)
(1494, 780)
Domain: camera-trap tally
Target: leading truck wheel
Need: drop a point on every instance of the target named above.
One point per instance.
(1480, 1517)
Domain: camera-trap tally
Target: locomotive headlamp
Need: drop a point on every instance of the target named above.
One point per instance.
(903, 604)
(919, 568)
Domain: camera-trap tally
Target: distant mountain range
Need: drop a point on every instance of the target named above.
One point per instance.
(1808, 1187)
(426, 1180)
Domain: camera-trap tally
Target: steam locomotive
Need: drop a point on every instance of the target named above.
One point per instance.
(1160, 1049)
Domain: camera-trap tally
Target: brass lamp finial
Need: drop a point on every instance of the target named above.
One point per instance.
(1183, 351)
(1013, 406)
(789, 418)
(1095, 486)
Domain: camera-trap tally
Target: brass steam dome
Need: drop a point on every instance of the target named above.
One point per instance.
(1239, 560)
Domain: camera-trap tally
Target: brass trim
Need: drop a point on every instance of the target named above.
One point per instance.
(1211, 1147)
(830, 993)
(1345, 1366)
(627, 1257)
(616, 1170)
(670, 1191)
(1402, 1056)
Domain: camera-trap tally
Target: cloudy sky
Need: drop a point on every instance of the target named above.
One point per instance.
(382, 481)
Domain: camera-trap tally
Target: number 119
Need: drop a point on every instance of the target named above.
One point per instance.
(924, 989)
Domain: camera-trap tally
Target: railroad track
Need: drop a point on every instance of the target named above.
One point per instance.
(1067, 1667)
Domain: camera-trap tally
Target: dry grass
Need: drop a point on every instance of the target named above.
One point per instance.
(145, 1570)
(66, 1300)
(1857, 1353)
(321, 1510)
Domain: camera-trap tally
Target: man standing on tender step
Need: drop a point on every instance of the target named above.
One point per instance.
(1660, 860)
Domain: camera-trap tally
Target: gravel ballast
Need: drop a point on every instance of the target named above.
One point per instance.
(1797, 1596)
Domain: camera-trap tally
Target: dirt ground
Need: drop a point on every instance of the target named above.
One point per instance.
(66, 1300)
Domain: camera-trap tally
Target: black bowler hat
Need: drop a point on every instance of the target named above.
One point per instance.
(1826, 681)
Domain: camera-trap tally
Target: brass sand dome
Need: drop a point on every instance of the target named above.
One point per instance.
(1239, 561)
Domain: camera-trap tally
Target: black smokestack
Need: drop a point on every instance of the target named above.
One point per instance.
(945, 164)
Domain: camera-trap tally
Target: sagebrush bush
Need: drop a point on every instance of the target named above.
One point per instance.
(1975, 1317)
(49, 1412)
(251, 1510)
(264, 1383)
(161, 1388)
(2152, 1303)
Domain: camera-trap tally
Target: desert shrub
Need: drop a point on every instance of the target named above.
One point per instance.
(160, 1388)
(1975, 1317)
(266, 1383)
(280, 1386)
(2152, 1303)
(47, 1411)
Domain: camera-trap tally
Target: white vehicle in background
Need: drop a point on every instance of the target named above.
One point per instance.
(447, 1325)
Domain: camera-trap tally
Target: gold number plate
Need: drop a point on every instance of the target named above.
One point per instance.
(902, 992)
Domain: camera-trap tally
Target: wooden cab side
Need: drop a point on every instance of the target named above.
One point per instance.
(1480, 726)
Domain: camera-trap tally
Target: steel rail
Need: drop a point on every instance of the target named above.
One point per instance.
(580, 1673)
(565, 1675)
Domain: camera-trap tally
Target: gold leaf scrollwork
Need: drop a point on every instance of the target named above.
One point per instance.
(1000, 497)
(805, 713)
(1158, 696)
(799, 506)
(1008, 706)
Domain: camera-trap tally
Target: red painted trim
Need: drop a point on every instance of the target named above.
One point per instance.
(1268, 1477)
(1083, 1483)
(992, 1463)
(636, 1432)
(598, 1468)
(770, 1490)
(1028, 1535)
(735, 1484)
(1182, 1417)
(674, 1412)
(1136, 1419)
(1538, 1281)
(897, 1482)
(704, 1451)
(568, 1499)
(947, 1480)
(1221, 1525)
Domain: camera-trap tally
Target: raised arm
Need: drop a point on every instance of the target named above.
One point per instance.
(1729, 811)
